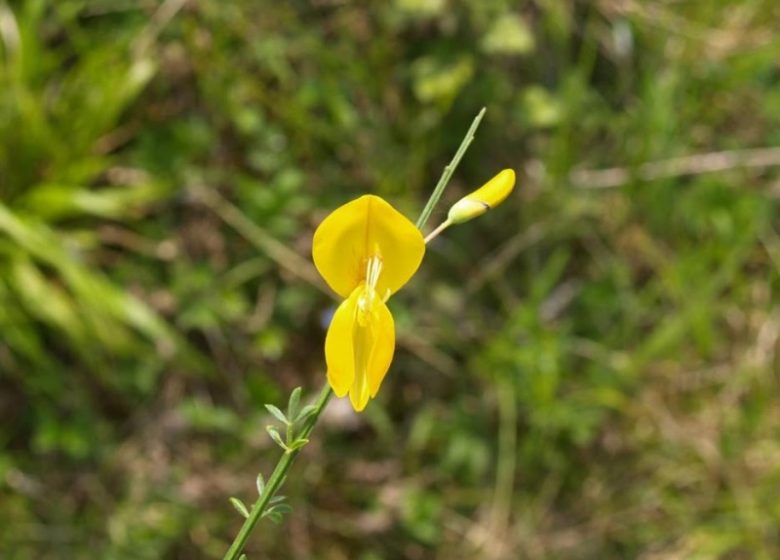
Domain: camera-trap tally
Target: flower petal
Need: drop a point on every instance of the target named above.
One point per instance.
(373, 339)
(339, 353)
(364, 228)
(383, 348)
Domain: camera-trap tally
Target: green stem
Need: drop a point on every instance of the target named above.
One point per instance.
(449, 170)
(277, 477)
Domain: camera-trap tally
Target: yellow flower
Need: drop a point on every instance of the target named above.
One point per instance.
(365, 250)
(488, 196)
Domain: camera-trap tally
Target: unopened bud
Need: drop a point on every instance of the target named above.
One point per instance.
(488, 196)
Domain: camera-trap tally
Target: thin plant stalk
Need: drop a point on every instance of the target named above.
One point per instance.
(449, 170)
(279, 473)
(435, 233)
(276, 479)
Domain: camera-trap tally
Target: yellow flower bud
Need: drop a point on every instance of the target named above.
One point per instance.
(488, 196)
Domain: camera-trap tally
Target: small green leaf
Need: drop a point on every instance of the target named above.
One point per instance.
(242, 557)
(297, 444)
(240, 507)
(276, 512)
(260, 483)
(306, 411)
(277, 413)
(274, 433)
(281, 508)
(294, 403)
(276, 500)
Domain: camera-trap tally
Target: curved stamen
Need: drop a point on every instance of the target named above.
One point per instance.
(373, 270)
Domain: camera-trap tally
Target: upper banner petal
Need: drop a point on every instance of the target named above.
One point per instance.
(363, 228)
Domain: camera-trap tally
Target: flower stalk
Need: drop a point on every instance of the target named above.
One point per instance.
(440, 228)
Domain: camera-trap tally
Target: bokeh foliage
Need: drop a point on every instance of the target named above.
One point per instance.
(588, 372)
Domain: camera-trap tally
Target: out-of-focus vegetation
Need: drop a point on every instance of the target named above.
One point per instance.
(588, 372)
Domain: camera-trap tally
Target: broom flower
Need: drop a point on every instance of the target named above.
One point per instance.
(365, 251)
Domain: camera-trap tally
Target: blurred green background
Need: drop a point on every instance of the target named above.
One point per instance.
(588, 372)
